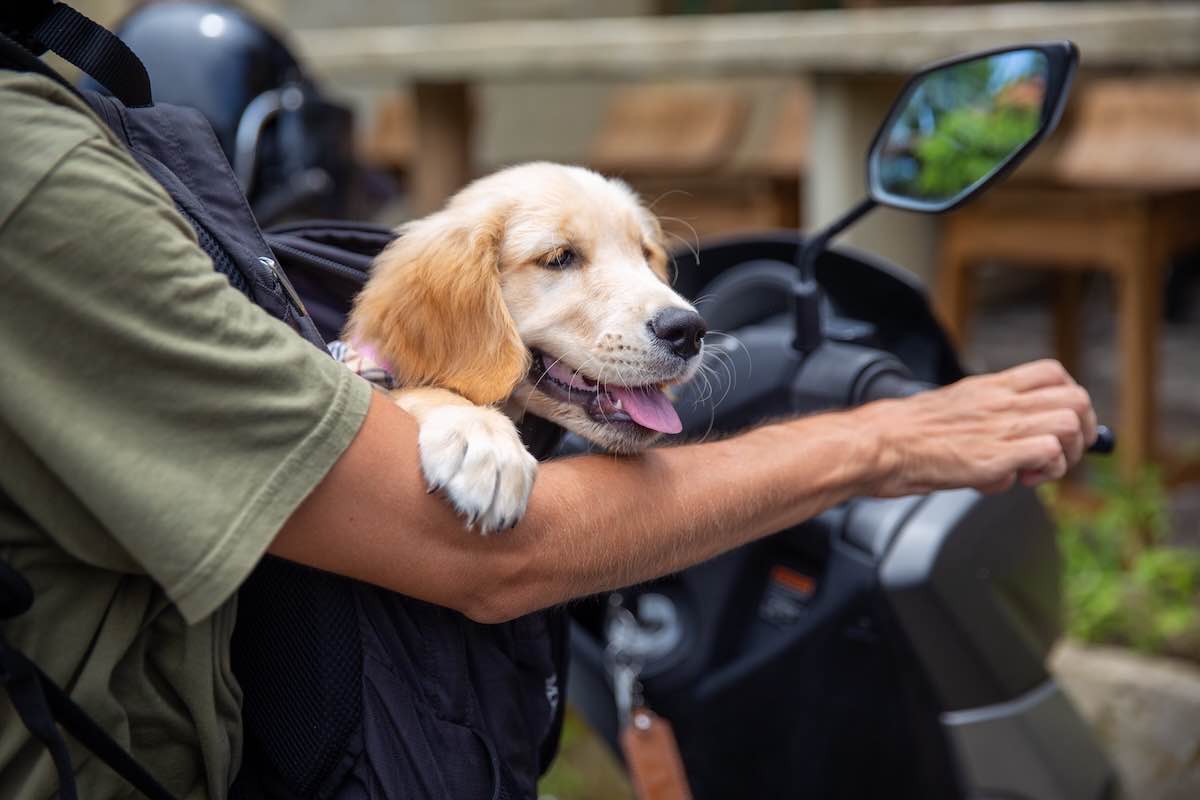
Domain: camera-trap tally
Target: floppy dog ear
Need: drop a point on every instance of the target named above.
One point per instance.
(434, 312)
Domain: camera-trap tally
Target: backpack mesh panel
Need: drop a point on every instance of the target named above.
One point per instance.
(220, 258)
(299, 712)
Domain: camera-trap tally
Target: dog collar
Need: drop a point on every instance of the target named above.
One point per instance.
(362, 360)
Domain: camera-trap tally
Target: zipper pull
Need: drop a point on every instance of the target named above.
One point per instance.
(288, 289)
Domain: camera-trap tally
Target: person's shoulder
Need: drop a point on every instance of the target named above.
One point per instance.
(40, 109)
(42, 123)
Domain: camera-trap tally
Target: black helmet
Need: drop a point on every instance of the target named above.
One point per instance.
(291, 148)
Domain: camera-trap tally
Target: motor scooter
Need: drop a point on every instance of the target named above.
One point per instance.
(886, 648)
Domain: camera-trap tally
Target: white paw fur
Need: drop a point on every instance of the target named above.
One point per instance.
(475, 457)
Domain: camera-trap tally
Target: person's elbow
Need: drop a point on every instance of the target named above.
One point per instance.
(490, 610)
(500, 595)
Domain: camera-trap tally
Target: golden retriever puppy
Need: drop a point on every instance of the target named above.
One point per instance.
(539, 289)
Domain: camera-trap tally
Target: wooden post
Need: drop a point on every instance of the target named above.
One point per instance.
(442, 161)
(1068, 320)
(952, 295)
(1140, 286)
(845, 113)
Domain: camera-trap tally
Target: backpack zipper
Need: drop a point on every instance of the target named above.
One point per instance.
(282, 279)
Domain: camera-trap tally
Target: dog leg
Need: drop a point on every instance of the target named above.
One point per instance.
(473, 454)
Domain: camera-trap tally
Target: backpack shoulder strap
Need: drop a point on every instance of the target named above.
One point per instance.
(40, 703)
(41, 25)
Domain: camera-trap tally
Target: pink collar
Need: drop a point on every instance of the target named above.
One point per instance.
(362, 360)
(370, 356)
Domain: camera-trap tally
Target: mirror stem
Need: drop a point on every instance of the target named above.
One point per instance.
(815, 245)
(806, 294)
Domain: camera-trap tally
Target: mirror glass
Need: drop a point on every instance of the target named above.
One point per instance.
(957, 125)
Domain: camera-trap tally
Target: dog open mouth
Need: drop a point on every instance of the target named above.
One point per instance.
(610, 404)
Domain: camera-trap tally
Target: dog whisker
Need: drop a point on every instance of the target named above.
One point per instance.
(731, 367)
(667, 194)
(712, 420)
(542, 377)
(578, 369)
(703, 372)
(674, 263)
(546, 372)
(690, 227)
(724, 383)
(693, 249)
(726, 363)
(604, 388)
(738, 343)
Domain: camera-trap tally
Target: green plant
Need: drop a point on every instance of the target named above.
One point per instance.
(968, 143)
(585, 768)
(1124, 584)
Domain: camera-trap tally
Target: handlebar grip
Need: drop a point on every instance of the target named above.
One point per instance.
(1106, 441)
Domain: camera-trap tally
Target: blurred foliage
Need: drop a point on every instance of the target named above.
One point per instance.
(1124, 584)
(968, 144)
(585, 768)
(734, 6)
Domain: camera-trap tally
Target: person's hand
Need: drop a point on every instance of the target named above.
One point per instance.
(1029, 423)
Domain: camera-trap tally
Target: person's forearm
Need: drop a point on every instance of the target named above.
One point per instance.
(599, 522)
(593, 523)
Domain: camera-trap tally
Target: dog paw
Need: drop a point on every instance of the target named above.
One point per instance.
(475, 457)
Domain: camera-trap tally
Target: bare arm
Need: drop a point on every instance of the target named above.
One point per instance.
(598, 522)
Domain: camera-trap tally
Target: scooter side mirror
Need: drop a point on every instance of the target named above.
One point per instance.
(960, 125)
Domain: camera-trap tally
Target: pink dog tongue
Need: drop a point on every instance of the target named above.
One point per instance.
(648, 407)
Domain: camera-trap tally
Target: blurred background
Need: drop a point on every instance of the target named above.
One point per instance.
(738, 115)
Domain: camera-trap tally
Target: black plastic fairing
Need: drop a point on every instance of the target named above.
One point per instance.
(974, 583)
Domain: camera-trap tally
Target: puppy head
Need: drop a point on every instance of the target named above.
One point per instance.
(546, 285)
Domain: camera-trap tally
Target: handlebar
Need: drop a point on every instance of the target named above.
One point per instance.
(893, 384)
(1106, 441)
(888, 384)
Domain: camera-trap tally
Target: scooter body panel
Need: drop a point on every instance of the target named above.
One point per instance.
(1029, 748)
(973, 580)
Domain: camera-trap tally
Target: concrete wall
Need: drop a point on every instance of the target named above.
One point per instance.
(563, 115)
(519, 122)
(321, 13)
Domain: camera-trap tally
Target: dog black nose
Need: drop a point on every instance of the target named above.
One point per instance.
(680, 329)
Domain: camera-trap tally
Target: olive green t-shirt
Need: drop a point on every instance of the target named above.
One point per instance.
(156, 430)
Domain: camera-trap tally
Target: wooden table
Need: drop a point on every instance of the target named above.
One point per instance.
(842, 48)
(1128, 234)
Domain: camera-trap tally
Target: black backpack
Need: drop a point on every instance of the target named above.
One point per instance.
(349, 690)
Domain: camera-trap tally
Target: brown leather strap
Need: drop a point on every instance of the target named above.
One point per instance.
(652, 755)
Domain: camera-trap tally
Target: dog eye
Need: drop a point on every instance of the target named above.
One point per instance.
(561, 258)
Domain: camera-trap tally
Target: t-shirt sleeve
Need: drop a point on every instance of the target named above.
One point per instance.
(186, 421)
